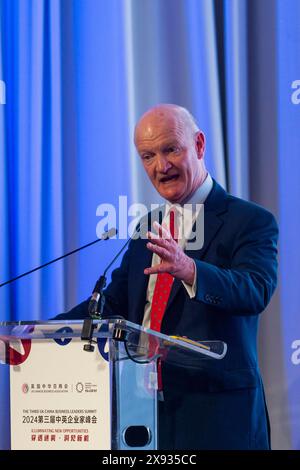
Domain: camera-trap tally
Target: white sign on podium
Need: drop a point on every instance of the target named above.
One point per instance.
(60, 396)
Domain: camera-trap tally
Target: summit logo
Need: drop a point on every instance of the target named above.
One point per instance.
(2, 92)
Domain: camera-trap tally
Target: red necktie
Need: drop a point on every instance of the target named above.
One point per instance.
(162, 289)
(160, 299)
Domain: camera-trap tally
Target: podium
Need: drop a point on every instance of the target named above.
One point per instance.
(60, 392)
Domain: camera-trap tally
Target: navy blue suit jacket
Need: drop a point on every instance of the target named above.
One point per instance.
(213, 404)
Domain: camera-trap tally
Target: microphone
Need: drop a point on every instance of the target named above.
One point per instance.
(99, 297)
(98, 289)
(105, 236)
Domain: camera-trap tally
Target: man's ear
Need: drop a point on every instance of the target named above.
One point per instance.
(200, 144)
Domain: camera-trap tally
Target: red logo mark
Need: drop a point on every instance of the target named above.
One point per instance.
(14, 357)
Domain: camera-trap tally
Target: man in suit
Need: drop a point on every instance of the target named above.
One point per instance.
(215, 292)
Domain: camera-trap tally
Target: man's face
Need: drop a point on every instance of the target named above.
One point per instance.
(171, 152)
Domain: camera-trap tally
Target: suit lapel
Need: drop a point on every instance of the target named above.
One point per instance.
(215, 205)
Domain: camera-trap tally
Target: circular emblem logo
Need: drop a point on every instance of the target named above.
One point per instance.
(79, 387)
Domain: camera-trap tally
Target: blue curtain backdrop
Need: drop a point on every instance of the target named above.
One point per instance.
(77, 74)
(288, 69)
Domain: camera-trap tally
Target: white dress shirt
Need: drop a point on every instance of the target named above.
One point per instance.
(184, 222)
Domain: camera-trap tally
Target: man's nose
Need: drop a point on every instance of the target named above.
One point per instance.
(163, 164)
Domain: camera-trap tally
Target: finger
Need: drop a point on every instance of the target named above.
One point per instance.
(157, 228)
(160, 251)
(162, 231)
(156, 240)
(152, 236)
(156, 269)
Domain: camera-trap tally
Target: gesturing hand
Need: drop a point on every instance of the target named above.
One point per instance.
(173, 259)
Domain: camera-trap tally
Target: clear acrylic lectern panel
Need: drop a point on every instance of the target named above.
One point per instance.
(55, 395)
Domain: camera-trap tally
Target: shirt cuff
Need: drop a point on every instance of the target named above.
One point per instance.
(191, 290)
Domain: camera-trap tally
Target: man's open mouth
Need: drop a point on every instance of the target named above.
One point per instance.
(167, 179)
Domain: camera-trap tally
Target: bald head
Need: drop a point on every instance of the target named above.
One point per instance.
(166, 114)
(172, 148)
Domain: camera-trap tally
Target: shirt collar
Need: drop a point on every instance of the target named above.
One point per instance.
(198, 197)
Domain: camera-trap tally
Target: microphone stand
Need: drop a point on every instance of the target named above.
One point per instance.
(88, 323)
(96, 306)
(104, 236)
(98, 297)
(87, 329)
